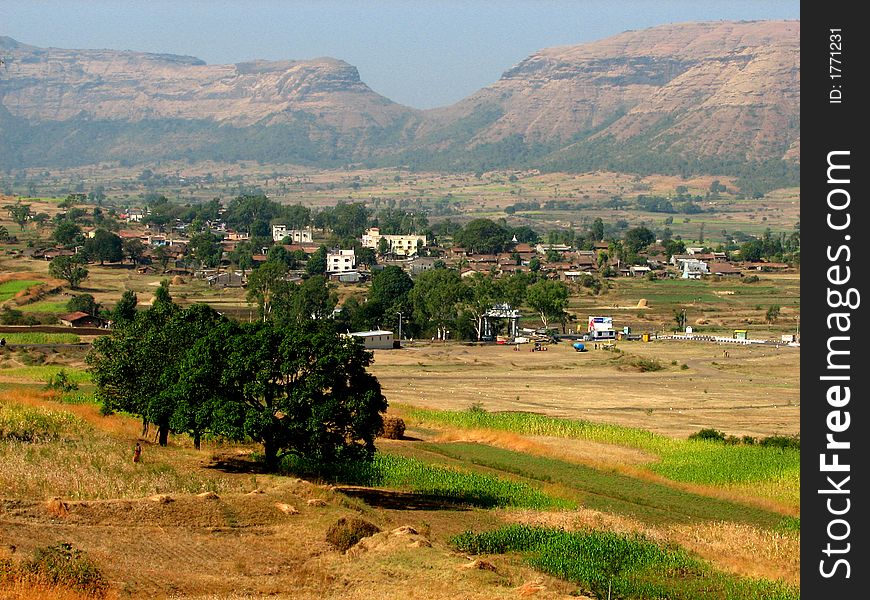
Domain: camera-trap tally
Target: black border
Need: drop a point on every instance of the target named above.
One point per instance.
(827, 127)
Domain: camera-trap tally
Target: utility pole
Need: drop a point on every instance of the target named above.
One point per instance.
(400, 328)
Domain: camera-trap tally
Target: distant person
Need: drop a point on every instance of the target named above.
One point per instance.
(137, 453)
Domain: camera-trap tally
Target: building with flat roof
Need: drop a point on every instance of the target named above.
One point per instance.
(378, 339)
(340, 261)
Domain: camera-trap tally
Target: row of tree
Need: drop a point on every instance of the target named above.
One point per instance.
(297, 387)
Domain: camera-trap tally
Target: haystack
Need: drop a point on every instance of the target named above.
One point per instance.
(177, 280)
(642, 303)
(57, 507)
(394, 428)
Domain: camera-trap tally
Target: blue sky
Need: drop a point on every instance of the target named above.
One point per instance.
(422, 54)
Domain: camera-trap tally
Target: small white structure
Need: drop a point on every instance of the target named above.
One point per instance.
(694, 269)
(400, 245)
(601, 328)
(340, 261)
(378, 339)
(297, 236)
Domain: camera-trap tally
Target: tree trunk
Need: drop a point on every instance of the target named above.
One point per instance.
(144, 426)
(163, 433)
(271, 453)
(196, 440)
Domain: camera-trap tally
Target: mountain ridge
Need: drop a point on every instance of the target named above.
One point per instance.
(686, 96)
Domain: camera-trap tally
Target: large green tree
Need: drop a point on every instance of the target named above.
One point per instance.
(105, 246)
(483, 237)
(549, 299)
(303, 390)
(19, 213)
(436, 297)
(268, 286)
(67, 233)
(69, 268)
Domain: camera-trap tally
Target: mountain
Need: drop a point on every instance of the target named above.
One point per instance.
(721, 97)
(668, 98)
(145, 106)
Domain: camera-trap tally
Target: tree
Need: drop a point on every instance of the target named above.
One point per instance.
(206, 249)
(105, 246)
(302, 390)
(19, 213)
(550, 299)
(311, 300)
(125, 308)
(435, 297)
(383, 246)
(638, 238)
(597, 230)
(162, 256)
(67, 233)
(137, 367)
(4, 233)
(133, 249)
(69, 268)
(680, 319)
(267, 286)
(316, 264)
(483, 236)
(390, 286)
(772, 314)
(483, 293)
(83, 303)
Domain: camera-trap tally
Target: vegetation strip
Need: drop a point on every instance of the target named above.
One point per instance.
(611, 492)
(622, 566)
(691, 461)
(399, 472)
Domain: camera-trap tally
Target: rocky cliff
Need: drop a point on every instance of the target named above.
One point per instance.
(675, 98)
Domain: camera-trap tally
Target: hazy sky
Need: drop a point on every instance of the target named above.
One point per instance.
(422, 54)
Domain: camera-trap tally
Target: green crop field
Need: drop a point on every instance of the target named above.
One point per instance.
(9, 288)
(610, 564)
(690, 461)
(41, 338)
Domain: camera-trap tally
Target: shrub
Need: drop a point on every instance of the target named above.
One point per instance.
(708, 434)
(344, 533)
(60, 382)
(782, 441)
(66, 566)
(394, 428)
(750, 279)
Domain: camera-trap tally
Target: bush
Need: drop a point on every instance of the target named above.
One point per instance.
(394, 428)
(344, 533)
(750, 279)
(60, 382)
(782, 441)
(66, 566)
(708, 434)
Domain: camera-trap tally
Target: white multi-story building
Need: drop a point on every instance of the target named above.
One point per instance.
(297, 236)
(400, 245)
(340, 261)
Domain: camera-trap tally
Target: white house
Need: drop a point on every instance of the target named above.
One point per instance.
(340, 261)
(694, 269)
(400, 245)
(376, 340)
(297, 236)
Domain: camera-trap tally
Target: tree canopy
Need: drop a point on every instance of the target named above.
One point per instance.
(296, 387)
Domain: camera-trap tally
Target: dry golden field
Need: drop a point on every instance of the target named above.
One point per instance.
(755, 391)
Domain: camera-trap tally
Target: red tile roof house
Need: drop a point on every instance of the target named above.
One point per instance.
(82, 319)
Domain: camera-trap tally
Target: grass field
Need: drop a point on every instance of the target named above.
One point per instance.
(41, 338)
(54, 307)
(8, 289)
(689, 461)
(627, 566)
